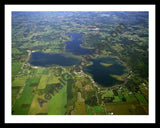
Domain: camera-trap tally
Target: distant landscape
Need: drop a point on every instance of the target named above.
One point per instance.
(47, 48)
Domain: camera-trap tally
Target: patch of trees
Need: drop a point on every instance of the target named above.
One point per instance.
(124, 99)
(115, 92)
(108, 99)
(86, 81)
(132, 84)
(99, 98)
(19, 57)
(136, 60)
(70, 84)
(92, 101)
(92, 40)
(50, 88)
(139, 65)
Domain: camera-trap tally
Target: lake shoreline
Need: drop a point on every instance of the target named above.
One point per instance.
(69, 59)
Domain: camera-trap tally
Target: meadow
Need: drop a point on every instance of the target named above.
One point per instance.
(23, 102)
(58, 102)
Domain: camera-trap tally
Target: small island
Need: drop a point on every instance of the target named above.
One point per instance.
(105, 64)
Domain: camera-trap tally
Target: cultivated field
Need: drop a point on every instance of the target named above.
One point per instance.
(58, 102)
(43, 82)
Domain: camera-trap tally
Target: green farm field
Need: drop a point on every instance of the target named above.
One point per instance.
(125, 109)
(58, 102)
(24, 100)
(35, 107)
(43, 82)
(19, 82)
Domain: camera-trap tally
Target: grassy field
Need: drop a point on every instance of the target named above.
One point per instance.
(35, 106)
(40, 71)
(120, 94)
(145, 107)
(107, 93)
(117, 99)
(99, 110)
(141, 98)
(43, 82)
(131, 99)
(15, 51)
(58, 102)
(22, 104)
(79, 97)
(80, 108)
(53, 79)
(15, 68)
(95, 110)
(15, 91)
(88, 110)
(33, 81)
(125, 109)
(18, 82)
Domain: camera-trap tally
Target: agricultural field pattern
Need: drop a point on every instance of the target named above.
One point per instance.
(80, 63)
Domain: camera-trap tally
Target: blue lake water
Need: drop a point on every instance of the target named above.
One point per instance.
(74, 47)
(46, 59)
(102, 74)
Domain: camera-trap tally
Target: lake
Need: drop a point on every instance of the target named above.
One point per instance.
(102, 69)
(47, 59)
(74, 47)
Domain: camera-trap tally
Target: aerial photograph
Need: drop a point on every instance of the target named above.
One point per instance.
(80, 63)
